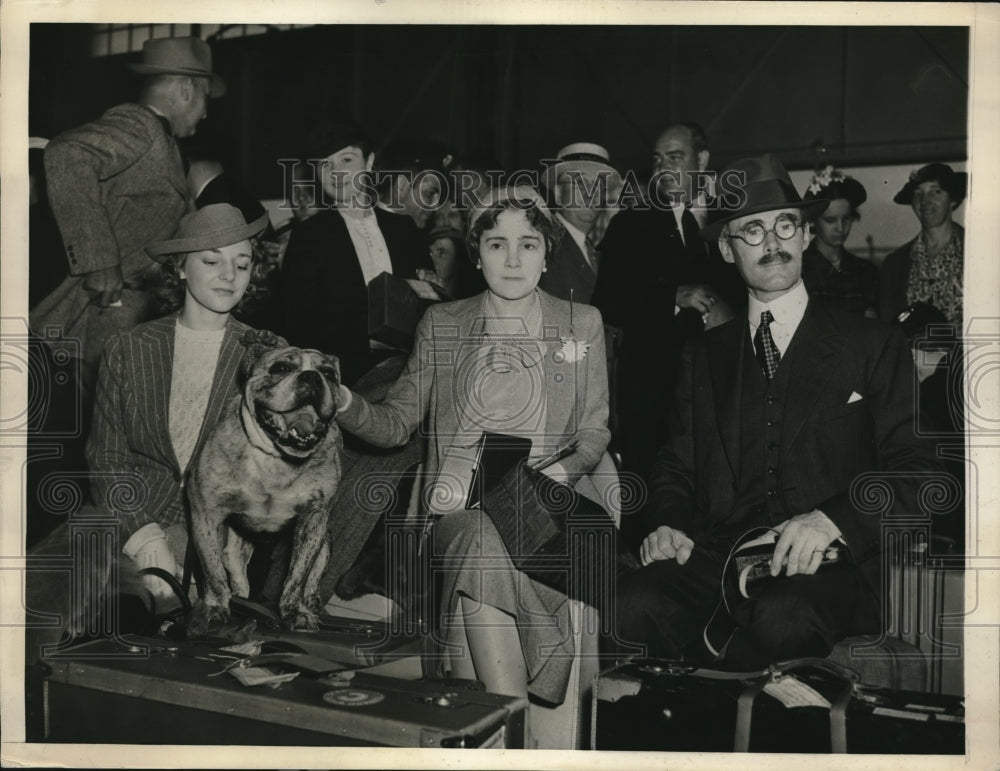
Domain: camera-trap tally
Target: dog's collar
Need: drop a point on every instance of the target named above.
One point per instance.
(255, 433)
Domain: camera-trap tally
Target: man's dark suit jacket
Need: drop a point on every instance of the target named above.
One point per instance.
(321, 299)
(828, 440)
(567, 268)
(643, 262)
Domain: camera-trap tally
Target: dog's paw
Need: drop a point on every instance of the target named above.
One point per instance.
(301, 618)
(205, 614)
(315, 603)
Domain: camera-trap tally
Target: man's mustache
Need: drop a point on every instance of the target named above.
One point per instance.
(780, 256)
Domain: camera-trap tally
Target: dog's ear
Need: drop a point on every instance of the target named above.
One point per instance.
(257, 342)
(334, 362)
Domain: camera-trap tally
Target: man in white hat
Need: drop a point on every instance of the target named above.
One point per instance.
(117, 184)
(582, 183)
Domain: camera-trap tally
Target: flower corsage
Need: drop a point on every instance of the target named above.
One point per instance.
(823, 179)
(571, 349)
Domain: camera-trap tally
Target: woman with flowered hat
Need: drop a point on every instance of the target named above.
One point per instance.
(830, 272)
(511, 360)
(930, 267)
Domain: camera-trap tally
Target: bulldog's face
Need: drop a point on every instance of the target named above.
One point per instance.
(294, 395)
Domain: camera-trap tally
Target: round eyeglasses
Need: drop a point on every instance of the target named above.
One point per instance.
(754, 233)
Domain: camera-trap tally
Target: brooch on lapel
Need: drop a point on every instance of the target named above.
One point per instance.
(571, 349)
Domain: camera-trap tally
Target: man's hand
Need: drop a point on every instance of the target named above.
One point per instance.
(104, 286)
(697, 296)
(665, 543)
(802, 542)
(721, 313)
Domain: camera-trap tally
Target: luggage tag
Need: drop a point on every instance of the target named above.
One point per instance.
(250, 676)
(792, 692)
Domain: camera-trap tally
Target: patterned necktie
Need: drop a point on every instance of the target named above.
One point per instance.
(767, 352)
(591, 251)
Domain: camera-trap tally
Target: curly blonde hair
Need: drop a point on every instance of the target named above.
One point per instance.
(170, 291)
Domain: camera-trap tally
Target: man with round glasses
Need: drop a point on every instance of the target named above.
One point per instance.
(785, 421)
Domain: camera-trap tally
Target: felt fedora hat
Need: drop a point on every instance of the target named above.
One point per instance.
(180, 56)
(955, 182)
(212, 227)
(765, 186)
(587, 158)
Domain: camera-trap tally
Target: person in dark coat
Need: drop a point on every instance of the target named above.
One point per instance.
(321, 295)
(784, 418)
(830, 272)
(658, 284)
(582, 183)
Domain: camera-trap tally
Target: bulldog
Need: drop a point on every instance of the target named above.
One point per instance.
(273, 457)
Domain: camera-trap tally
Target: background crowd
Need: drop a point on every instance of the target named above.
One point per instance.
(146, 224)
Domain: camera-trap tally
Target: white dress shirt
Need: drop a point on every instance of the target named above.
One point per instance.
(787, 311)
(369, 243)
(697, 209)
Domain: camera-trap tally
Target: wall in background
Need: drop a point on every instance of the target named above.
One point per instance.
(888, 224)
(872, 99)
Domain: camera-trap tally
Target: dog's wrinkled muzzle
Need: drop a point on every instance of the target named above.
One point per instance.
(297, 416)
(296, 431)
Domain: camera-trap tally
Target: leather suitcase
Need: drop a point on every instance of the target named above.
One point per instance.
(394, 309)
(350, 641)
(663, 706)
(808, 705)
(151, 691)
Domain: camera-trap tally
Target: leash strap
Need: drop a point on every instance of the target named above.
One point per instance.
(192, 569)
(744, 714)
(174, 584)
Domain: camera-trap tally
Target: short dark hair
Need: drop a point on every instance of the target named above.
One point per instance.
(171, 289)
(331, 136)
(699, 139)
(550, 228)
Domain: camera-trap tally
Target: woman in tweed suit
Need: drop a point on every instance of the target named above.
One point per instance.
(543, 376)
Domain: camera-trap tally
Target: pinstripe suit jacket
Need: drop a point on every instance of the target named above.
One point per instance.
(134, 471)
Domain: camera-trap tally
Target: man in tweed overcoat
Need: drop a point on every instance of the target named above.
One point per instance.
(116, 184)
